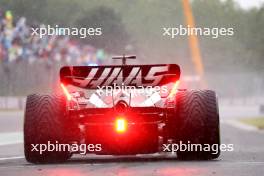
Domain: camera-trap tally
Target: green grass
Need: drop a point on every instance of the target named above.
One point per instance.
(257, 122)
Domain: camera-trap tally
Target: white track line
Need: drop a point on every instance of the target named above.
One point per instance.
(237, 124)
(240, 125)
(11, 138)
(12, 158)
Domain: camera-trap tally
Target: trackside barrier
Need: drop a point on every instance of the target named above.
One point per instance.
(249, 107)
(10, 103)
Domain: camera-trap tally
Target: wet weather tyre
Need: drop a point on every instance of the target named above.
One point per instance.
(43, 123)
(198, 123)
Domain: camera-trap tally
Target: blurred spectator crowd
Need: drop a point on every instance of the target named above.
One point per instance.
(17, 44)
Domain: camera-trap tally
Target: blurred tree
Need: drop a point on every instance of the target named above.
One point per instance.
(33, 10)
(142, 21)
(238, 51)
(114, 37)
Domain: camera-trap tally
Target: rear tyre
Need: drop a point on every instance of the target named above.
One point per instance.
(44, 122)
(198, 123)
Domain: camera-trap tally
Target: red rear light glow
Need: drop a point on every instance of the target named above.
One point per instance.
(174, 90)
(66, 92)
(120, 125)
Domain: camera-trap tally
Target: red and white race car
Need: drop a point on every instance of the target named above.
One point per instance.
(120, 110)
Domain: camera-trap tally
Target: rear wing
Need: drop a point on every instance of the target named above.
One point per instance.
(93, 77)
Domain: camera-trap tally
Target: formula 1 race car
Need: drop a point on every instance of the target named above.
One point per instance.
(120, 110)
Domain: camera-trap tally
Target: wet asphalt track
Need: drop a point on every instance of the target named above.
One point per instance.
(247, 159)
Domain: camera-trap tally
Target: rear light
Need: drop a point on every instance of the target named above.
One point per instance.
(174, 90)
(66, 92)
(120, 125)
